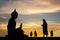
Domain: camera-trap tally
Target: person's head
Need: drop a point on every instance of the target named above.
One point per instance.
(14, 14)
(35, 30)
(44, 20)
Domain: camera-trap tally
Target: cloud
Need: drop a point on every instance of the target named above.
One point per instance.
(55, 2)
(3, 3)
(30, 6)
(54, 16)
(4, 17)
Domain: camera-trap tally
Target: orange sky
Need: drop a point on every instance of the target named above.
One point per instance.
(29, 7)
(28, 27)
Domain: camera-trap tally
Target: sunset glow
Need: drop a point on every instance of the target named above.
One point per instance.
(31, 13)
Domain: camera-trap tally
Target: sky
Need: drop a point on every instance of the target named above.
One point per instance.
(29, 6)
(31, 13)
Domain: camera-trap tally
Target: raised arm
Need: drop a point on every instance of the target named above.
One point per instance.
(20, 25)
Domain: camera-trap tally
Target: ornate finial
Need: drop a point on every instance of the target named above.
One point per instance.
(14, 9)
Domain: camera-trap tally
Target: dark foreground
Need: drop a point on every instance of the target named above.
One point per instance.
(32, 38)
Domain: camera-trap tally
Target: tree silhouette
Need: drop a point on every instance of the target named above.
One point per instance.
(51, 33)
(35, 33)
(31, 34)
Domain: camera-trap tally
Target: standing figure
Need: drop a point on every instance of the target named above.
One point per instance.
(44, 27)
(35, 33)
(12, 24)
(31, 34)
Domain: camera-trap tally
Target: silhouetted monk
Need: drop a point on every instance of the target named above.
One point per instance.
(35, 33)
(45, 30)
(12, 24)
(31, 34)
